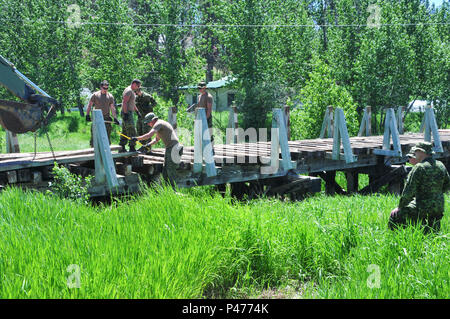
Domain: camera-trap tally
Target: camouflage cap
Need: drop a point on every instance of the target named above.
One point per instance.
(425, 147)
(411, 152)
(150, 117)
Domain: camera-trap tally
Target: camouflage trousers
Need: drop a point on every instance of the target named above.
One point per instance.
(128, 129)
(108, 131)
(171, 162)
(410, 214)
(210, 124)
(142, 128)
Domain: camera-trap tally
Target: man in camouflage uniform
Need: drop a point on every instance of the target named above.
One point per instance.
(145, 104)
(412, 156)
(422, 199)
(128, 109)
(165, 132)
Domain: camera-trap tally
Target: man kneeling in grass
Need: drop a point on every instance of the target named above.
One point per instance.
(422, 199)
(166, 133)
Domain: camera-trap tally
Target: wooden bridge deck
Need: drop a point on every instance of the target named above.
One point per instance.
(308, 156)
(234, 162)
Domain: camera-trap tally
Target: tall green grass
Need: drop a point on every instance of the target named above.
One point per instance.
(200, 245)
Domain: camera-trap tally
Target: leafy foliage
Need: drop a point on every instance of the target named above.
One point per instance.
(70, 186)
(271, 47)
(320, 92)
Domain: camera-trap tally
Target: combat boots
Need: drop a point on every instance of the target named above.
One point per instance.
(122, 149)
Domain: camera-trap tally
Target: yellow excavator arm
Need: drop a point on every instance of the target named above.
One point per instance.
(34, 112)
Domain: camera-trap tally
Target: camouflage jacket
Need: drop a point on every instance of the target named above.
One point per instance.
(426, 183)
(145, 103)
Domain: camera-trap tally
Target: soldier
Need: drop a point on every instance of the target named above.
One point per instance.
(422, 199)
(145, 104)
(128, 107)
(104, 101)
(411, 156)
(205, 100)
(165, 132)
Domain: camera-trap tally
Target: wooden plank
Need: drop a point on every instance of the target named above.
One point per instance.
(207, 146)
(198, 149)
(287, 117)
(366, 122)
(280, 121)
(274, 151)
(11, 177)
(432, 129)
(395, 134)
(327, 124)
(104, 164)
(12, 143)
(341, 134)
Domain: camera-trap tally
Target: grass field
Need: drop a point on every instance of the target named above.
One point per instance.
(199, 245)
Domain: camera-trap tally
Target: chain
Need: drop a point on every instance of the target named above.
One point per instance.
(50, 144)
(35, 148)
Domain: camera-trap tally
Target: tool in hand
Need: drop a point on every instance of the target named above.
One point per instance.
(114, 122)
(191, 108)
(143, 146)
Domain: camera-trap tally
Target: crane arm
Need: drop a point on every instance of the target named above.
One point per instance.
(37, 109)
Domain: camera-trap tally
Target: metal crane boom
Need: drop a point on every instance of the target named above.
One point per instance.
(37, 108)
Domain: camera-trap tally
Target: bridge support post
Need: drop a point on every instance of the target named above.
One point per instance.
(203, 148)
(352, 181)
(12, 143)
(287, 116)
(390, 129)
(327, 124)
(280, 141)
(341, 134)
(429, 128)
(104, 164)
(366, 122)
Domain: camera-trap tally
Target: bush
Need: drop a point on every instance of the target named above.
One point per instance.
(321, 91)
(70, 186)
(259, 98)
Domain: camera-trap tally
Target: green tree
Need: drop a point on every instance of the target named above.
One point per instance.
(111, 47)
(320, 92)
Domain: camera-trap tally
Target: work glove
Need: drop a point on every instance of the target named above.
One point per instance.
(144, 149)
(88, 118)
(125, 116)
(116, 121)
